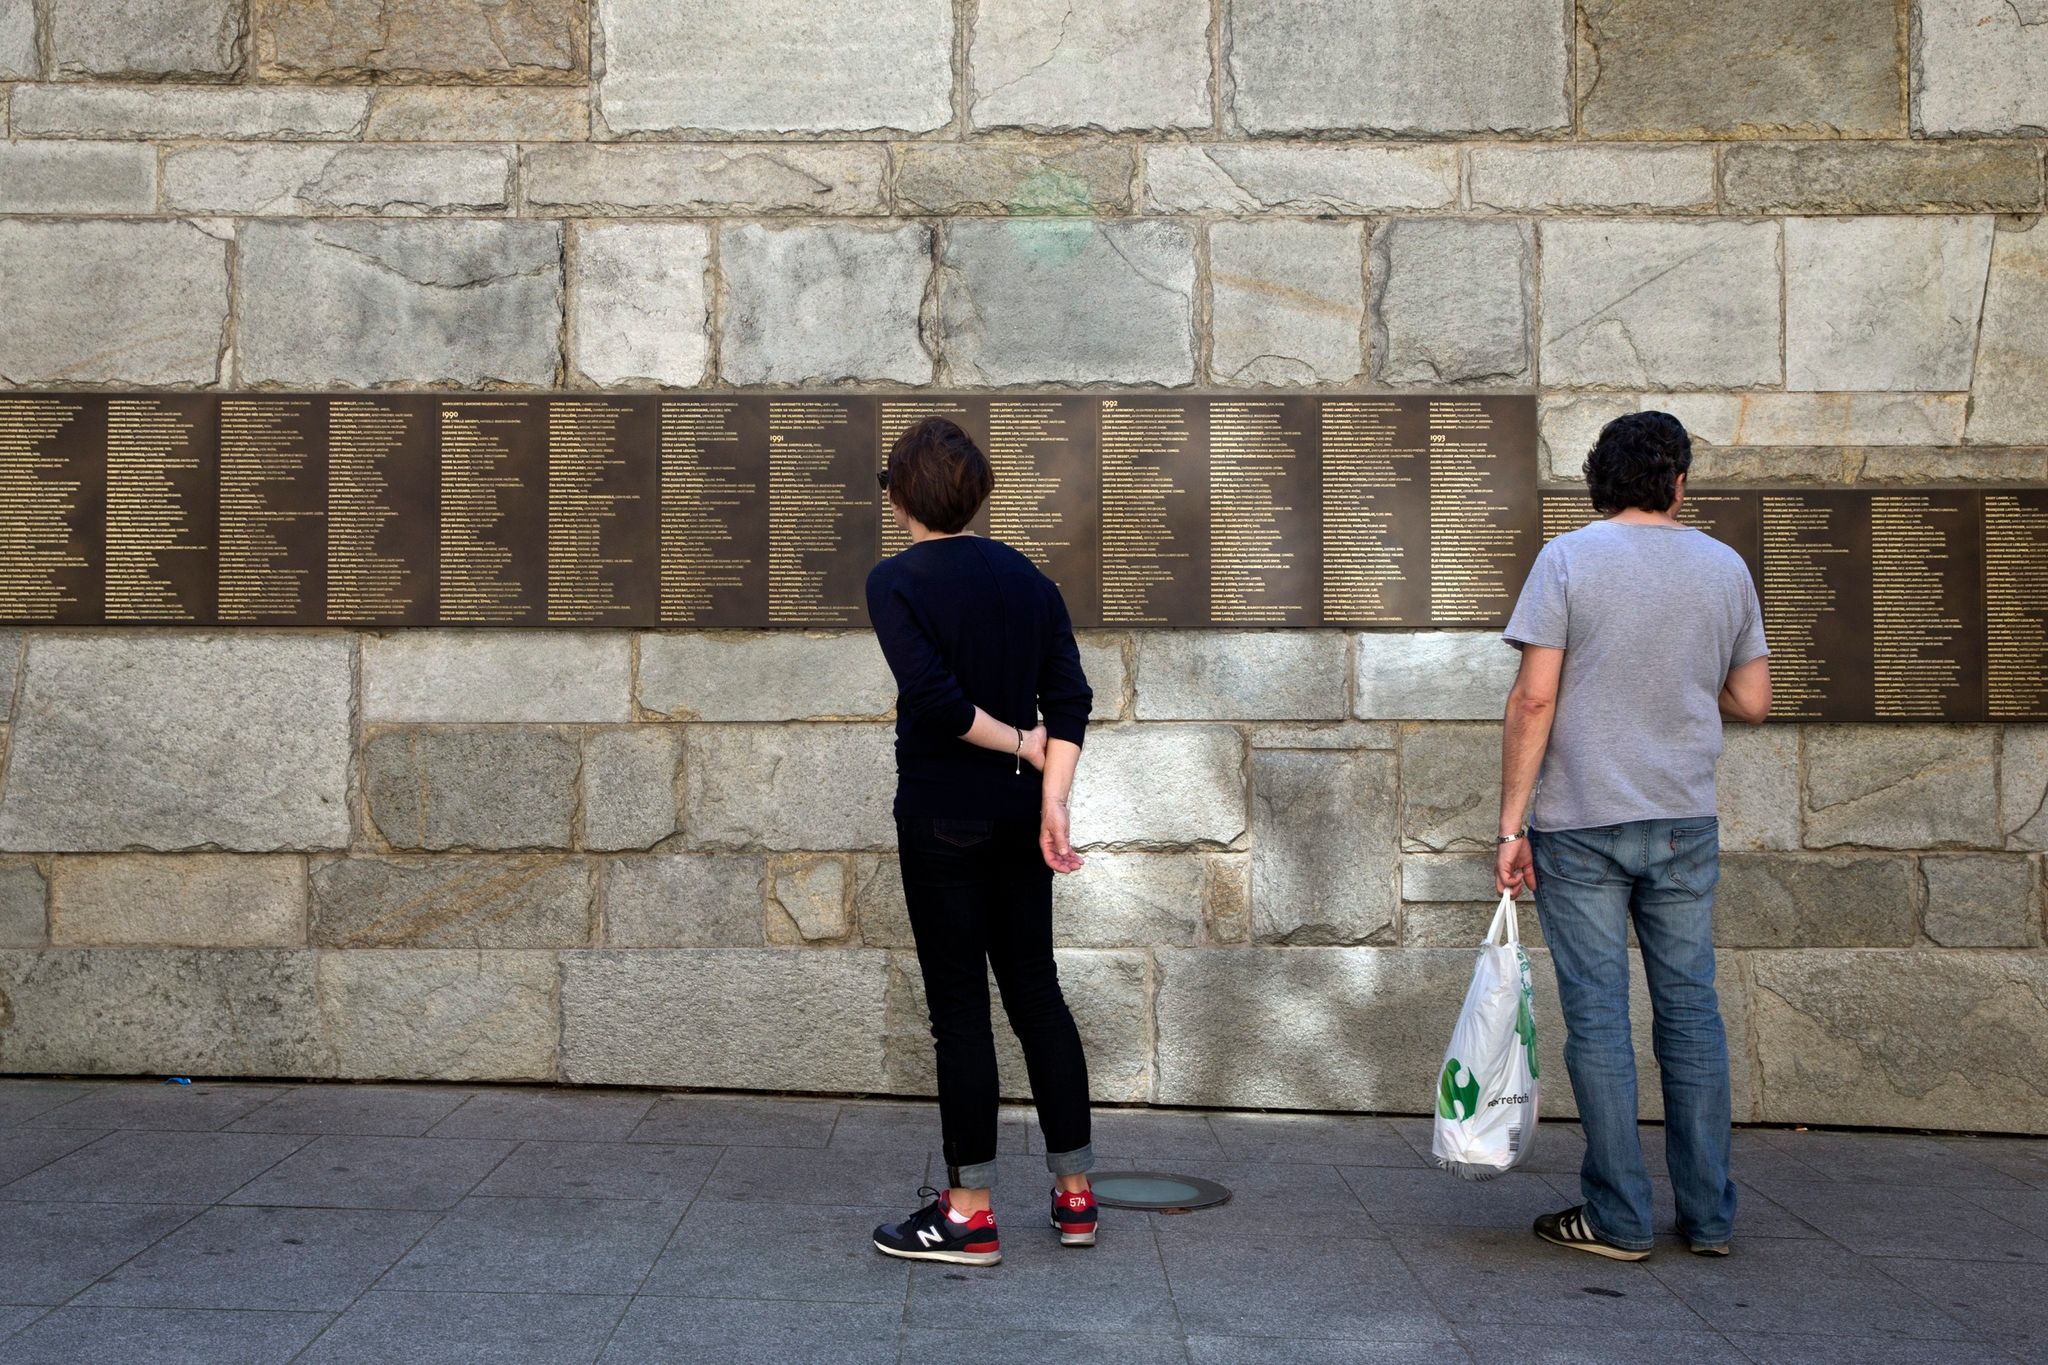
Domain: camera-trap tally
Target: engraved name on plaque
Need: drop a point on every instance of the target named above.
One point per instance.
(52, 507)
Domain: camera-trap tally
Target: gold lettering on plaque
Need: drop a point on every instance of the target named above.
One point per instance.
(702, 491)
(1140, 445)
(476, 472)
(1913, 628)
(2016, 606)
(262, 459)
(153, 466)
(1365, 470)
(1474, 554)
(1797, 597)
(37, 501)
(363, 439)
(583, 451)
(1022, 435)
(805, 505)
(1251, 462)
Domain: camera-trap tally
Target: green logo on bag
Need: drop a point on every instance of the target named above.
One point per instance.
(1525, 1029)
(1452, 1097)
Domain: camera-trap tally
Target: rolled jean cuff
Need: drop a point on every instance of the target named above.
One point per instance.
(980, 1176)
(1080, 1161)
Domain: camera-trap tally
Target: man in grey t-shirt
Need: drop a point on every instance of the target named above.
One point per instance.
(1638, 634)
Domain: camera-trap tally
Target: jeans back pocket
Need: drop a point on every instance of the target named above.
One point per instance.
(1693, 861)
(963, 833)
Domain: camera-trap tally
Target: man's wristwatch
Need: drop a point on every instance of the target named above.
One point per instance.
(1500, 839)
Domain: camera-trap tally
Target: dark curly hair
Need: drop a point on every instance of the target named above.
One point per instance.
(938, 475)
(1637, 461)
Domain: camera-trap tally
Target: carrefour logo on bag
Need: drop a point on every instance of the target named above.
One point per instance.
(1457, 1099)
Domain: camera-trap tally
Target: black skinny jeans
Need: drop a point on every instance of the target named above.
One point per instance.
(980, 897)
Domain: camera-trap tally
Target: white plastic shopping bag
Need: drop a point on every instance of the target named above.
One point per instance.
(1486, 1092)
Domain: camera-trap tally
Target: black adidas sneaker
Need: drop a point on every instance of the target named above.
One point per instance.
(1572, 1229)
(933, 1234)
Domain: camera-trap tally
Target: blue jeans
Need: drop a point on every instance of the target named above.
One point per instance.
(1590, 883)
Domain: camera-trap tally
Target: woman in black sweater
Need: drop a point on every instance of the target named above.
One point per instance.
(981, 646)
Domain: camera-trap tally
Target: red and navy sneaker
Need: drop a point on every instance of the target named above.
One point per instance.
(1074, 1215)
(934, 1233)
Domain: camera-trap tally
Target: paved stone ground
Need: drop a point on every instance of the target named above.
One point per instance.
(327, 1223)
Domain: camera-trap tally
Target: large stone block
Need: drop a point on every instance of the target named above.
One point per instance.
(418, 676)
(1771, 900)
(1756, 787)
(478, 114)
(1102, 662)
(156, 1012)
(1851, 1038)
(1233, 675)
(1324, 847)
(314, 181)
(2009, 398)
(1979, 66)
(1666, 68)
(1982, 901)
(1450, 788)
(1451, 302)
(434, 902)
(725, 1018)
(1046, 65)
(1068, 301)
(698, 676)
(640, 309)
(1883, 303)
(1386, 67)
(871, 281)
(1567, 426)
(1287, 302)
(192, 900)
(775, 66)
(1207, 177)
(1510, 177)
(1880, 177)
(880, 916)
(807, 900)
(1131, 900)
(1345, 734)
(1902, 786)
(10, 670)
(684, 900)
(1690, 304)
(1815, 419)
(201, 111)
(2023, 786)
(112, 303)
(146, 39)
(1021, 178)
(180, 742)
(757, 179)
(77, 177)
(629, 786)
(19, 60)
(499, 788)
(1435, 675)
(789, 787)
(463, 41)
(1160, 785)
(24, 908)
(1438, 878)
(406, 1014)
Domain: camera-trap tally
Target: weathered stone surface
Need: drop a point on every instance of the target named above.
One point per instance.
(150, 39)
(1451, 302)
(488, 789)
(683, 900)
(1102, 662)
(1346, 734)
(2009, 399)
(76, 110)
(1672, 68)
(77, 177)
(697, 676)
(1450, 787)
(1769, 900)
(478, 114)
(10, 670)
(2023, 786)
(1323, 847)
(1464, 924)
(1227, 897)
(1125, 899)
(1287, 301)
(1508, 177)
(759, 178)
(19, 60)
(1206, 177)
(1241, 675)
(395, 1014)
(415, 676)
(1436, 877)
(778, 787)
(1980, 66)
(1046, 65)
(1818, 419)
(497, 41)
(775, 66)
(1024, 179)
(1068, 302)
(24, 913)
(629, 786)
(1433, 675)
(1692, 304)
(128, 1011)
(878, 909)
(426, 902)
(1567, 426)
(180, 742)
(1880, 177)
(107, 303)
(1845, 1037)
(729, 1018)
(1901, 786)
(1913, 464)
(1982, 902)
(1756, 786)
(807, 900)
(640, 308)
(193, 900)
(870, 280)
(310, 181)
(1160, 784)
(1383, 66)
(366, 303)
(1883, 303)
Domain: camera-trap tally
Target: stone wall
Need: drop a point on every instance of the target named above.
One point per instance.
(1812, 230)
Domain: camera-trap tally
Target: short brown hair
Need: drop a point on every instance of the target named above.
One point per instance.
(938, 475)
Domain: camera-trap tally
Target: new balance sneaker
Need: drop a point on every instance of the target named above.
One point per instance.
(936, 1233)
(1074, 1215)
(1572, 1229)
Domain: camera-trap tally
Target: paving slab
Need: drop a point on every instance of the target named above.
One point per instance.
(775, 1251)
(1120, 1134)
(564, 1115)
(1036, 1347)
(1118, 1286)
(469, 1329)
(566, 1246)
(1802, 1287)
(898, 1127)
(51, 1251)
(358, 1110)
(1312, 1138)
(1922, 1221)
(787, 1175)
(602, 1170)
(1601, 1347)
(1481, 1277)
(261, 1258)
(1309, 1351)
(1341, 1287)
(1266, 1201)
(162, 1336)
(723, 1120)
(376, 1173)
(156, 1168)
(21, 1101)
(1395, 1198)
(155, 1105)
(756, 1333)
(1883, 1159)
(29, 1149)
(1788, 1349)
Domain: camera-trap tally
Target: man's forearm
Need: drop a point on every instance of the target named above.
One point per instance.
(1061, 758)
(1523, 739)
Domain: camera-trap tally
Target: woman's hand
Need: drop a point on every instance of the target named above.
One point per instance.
(1034, 747)
(1054, 839)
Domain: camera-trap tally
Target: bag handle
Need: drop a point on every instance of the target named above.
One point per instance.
(1505, 921)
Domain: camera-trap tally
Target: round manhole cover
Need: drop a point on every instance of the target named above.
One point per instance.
(1156, 1191)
